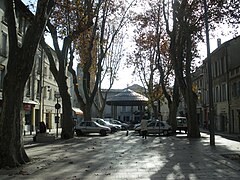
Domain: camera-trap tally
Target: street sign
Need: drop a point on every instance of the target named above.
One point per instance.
(56, 119)
(57, 106)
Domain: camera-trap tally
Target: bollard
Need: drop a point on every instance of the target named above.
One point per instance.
(127, 133)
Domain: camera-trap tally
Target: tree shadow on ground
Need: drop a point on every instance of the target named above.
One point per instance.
(194, 159)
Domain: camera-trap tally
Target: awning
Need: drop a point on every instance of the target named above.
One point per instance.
(28, 101)
(78, 111)
(25, 101)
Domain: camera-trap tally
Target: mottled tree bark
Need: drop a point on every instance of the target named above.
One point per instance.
(19, 67)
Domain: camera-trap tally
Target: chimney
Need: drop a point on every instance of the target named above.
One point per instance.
(219, 42)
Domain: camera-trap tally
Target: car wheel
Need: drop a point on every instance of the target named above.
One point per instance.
(103, 132)
(113, 129)
(79, 132)
(165, 133)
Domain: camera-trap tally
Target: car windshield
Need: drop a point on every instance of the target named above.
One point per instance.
(115, 122)
(151, 124)
(108, 123)
(97, 124)
(82, 124)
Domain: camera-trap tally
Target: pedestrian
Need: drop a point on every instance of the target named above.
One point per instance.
(144, 123)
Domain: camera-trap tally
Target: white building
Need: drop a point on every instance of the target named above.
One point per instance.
(39, 100)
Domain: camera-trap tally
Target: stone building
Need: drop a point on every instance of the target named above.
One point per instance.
(39, 100)
(226, 87)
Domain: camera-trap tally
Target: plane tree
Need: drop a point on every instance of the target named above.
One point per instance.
(68, 21)
(151, 58)
(110, 68)
(94, 47)
(185, 26)
(19, 67)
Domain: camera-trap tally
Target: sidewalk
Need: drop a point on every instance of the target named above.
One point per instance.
(118, 156)
(28, 138)
(235, 137)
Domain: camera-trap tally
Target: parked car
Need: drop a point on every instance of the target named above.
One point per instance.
(156, 127)
(91, 127)
(124, 126)
(139, 124)
(113, 127)
(182, 124)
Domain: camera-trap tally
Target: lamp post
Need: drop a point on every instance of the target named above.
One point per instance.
(57, 107)
(155, 103)
(210, 95)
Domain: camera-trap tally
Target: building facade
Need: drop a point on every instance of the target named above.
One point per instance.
(225, 67)
(39, 100)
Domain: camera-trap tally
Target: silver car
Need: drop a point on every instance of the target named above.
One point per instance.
(91, 127)
(156, 127)
(121, 125)
(113, 127)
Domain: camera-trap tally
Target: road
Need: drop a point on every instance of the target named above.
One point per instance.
(118, 156)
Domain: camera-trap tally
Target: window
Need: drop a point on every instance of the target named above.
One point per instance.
(216, 69)
(28, 86)
(50, 94)
(4, 45)
(50, 75)
(234, 89)
(224, 92)
(45, 92)
(2, 73)
(217, 94)
(152, 124)
(238, 89)
(55, 99)
(38, 89)
(222, 65)
(39, 65)
(45, 71)
(237, 70)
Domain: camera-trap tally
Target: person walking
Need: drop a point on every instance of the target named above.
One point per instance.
(144, 123)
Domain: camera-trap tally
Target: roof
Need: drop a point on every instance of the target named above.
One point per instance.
(127, 98)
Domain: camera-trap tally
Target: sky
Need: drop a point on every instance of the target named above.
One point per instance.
(125, 74)
(125, 77)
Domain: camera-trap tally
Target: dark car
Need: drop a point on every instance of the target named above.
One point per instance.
(182, 124)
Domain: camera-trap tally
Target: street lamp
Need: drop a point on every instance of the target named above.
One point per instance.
(210, 95)
(155, 103)
(57, 107)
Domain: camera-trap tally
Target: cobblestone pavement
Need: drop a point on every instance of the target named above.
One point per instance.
(118, 156)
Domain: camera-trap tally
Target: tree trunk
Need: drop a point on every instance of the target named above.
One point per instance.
(191, 101)
(20, 63)
(87, 111)
(61, 79)
(11, 149)
(173, 108)
(67, 121)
